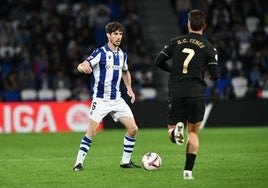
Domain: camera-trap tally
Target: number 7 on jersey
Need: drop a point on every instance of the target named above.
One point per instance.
(187, 60)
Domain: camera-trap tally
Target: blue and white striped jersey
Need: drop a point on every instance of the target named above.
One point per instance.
(107, 67)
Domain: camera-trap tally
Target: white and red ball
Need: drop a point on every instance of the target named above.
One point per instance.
(151, 161)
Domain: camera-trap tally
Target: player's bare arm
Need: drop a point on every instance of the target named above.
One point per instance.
(127, 80)
(84, 67)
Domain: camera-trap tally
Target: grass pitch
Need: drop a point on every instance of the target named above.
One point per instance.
(228, 157)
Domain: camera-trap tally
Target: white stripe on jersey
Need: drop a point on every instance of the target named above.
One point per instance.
(107, 69)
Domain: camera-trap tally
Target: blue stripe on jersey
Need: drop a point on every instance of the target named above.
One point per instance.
(115, 77)
(100, 91)
(92, 81)
(107, 67)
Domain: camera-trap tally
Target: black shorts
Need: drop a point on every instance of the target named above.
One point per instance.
(182, 109)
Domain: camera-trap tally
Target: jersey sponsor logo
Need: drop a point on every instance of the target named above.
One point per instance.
(114, 67)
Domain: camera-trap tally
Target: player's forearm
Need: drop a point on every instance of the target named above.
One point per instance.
(160, 61)
(214, 72)
(127, 79)
(84, 67)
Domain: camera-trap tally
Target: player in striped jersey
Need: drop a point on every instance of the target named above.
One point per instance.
(108, 66)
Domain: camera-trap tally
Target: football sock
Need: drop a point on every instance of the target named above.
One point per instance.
(190, 160)
(129, 144)
(84, 147)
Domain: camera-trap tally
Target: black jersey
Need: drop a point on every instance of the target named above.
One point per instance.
(191, 54)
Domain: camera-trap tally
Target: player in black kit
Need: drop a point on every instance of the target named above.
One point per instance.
(191, 55)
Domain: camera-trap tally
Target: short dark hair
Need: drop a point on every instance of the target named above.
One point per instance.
(113, 26)
(197, 19)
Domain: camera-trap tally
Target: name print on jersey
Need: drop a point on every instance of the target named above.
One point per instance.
(191, 40)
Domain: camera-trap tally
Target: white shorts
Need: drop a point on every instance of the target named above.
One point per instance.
(101, 107)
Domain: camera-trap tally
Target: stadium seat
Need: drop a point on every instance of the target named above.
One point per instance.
(28, 95)
(63, 94)
(266, 29)
(243, 47)
(76, 7)
(61, 7)
(3, 50)
(251, 23)
(12, 96)
(240, 85)
(46, 95)
(148, 93)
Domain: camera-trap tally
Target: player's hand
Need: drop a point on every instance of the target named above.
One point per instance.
(84, 68)
(131, 95)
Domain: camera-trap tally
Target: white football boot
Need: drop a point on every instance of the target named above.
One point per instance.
(178, 133)
(187, 175)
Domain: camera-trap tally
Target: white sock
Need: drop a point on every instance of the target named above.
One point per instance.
(84, 147)
(129, 144)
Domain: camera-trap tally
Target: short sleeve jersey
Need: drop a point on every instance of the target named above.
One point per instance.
(107, 67)
(191, 54)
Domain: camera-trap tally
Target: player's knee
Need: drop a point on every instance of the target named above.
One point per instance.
(194, 127)
(133, 131)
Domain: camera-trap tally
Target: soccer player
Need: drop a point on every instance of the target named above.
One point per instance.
(107, 66)
(191, 55)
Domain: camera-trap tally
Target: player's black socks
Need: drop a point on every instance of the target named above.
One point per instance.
(189, 163)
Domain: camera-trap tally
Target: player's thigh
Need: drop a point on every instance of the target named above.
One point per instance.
(176, 111)
(98, 110)
(195, 109)
(125, 116)
(121, 110)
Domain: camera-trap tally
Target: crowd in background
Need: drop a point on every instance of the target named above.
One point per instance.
(239, 31)
(42, 42)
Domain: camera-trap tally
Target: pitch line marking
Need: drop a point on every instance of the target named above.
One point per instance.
(47, 159)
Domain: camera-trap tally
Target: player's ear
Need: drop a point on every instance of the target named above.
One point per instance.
(188, 25)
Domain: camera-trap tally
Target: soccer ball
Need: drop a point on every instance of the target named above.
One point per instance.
(151, 161)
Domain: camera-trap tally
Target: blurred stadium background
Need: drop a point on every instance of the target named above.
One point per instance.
(42, 42)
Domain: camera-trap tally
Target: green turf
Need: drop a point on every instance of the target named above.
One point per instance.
(228, 157)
